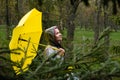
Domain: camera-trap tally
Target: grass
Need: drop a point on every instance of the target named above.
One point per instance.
(115, 35)
(90, 34)
(2, 32)
(3, 37)
(83, 34)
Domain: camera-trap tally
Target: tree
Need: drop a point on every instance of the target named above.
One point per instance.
(97, 20)
(71, 9)
(7, 19)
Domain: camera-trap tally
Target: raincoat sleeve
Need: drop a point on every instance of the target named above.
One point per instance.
(52, 53)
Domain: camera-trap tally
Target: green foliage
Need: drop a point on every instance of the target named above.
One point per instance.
(114, 4)
(6, 71)
(115, 19)
(97, 62)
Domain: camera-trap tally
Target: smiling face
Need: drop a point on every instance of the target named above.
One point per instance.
(58, 35)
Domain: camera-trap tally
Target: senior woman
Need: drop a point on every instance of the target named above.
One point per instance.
(54, 50)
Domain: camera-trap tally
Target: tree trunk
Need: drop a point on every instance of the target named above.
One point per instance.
(71, 12)
(61, 14)
(70, 20)
(70, 30)
(21, 8)
(106, 39)
(7, 19)
(17, 11)
(97, 22)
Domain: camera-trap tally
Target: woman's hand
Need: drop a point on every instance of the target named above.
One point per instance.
(61, 51)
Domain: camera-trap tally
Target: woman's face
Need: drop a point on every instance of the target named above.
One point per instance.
(58, 35)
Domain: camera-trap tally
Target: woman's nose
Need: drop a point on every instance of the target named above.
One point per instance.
(60, 34)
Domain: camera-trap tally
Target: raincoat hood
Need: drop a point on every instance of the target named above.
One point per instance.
(50, 37)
